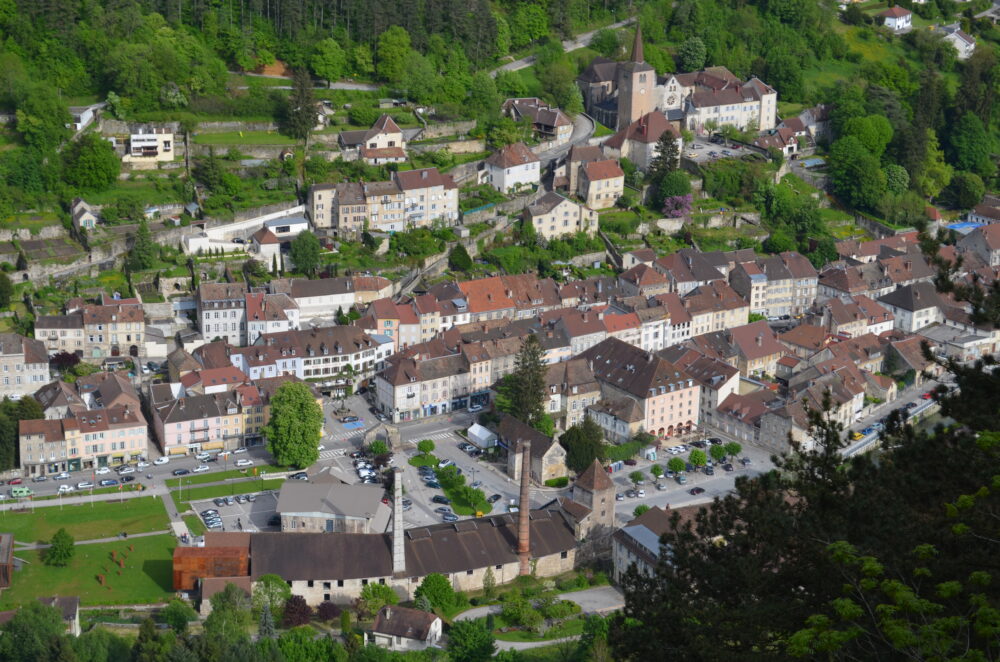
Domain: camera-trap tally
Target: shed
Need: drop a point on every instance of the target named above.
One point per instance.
(481, 436)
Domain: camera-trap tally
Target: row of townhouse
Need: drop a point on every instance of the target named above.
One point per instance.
(111, 327)
(784, 284)
(186, 419)
(95, 422)
(338, 356)
(411, 199)
(238, 315)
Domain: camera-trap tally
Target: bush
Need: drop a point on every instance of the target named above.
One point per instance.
(328, 611)
(562, 481)
(622, 452)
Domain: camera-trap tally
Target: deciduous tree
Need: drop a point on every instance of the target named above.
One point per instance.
(61, 549)
(305, 252)
(584, 443)
(295, 427)
(329, 61)
(438, 590)
(375, 596)
(470, 641)
(296, 612)
(90, 163)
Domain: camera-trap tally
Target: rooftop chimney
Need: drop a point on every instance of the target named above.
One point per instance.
(524, 518)
(398, 548)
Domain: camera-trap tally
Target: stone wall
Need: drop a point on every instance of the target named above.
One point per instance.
(163, 310)
(509, 207)
(877, 229)
(111, 126)
(470, 146)
(462, 174)
(432, 131)
(47, 232)
(588, 259)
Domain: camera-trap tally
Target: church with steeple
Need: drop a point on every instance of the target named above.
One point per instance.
(617, 94)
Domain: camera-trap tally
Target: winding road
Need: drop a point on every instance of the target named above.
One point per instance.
(568, 45)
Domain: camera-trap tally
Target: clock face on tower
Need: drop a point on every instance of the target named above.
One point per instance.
(671, 100)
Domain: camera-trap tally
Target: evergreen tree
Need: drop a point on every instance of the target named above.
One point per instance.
(667, 159)
(584, 443)
(302, 108)
(526, 385)
(143, 253)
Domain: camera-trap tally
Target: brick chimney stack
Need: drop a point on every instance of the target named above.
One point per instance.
(398, 547)
(524, 508)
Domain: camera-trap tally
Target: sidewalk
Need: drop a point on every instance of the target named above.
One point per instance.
(23, 547)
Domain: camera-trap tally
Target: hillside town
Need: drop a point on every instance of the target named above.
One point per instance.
(470, 374)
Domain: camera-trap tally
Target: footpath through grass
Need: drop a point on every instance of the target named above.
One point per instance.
(101, 519)
(147, 575)
(194, 525)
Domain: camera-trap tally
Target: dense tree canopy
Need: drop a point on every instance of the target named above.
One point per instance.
(295, 427)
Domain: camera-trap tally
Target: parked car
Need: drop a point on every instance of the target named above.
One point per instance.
(240, 498)
(61, 476)
(641, 494)
(142, 465)
(631, 494)
(84, 485)
(159, 461)
(449, 517)
(349, 419)
(108, 482)
(251, 497)
(126, 470)
(302, 475)
(682, 479)
(15, 481)
(619, 497)
(201, 468)
(244, 462)
(709, 471)
(209, 512)
(433, 484)
(445, 463)
(493, 498)
(442, 509)
(437, 498)
(201, 457)
(661, 487)
(241, 449)
(63, 489)
(474, 408)
(128, 479)
(181, 472)
(695, 491)
(219, 501)
(39, 479)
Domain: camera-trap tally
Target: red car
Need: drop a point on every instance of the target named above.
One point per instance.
(927, 396)
(14, 481)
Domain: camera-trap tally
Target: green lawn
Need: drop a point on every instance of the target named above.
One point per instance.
(422, 460)
(244, 138)
(142, 190)
(194, 525)
(32, 222)
(147, 576)
(564, 629)
(183, 497)
(102, 519)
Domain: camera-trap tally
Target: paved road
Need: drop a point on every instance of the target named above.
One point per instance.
(363, 87)
(598, 600)
(583, 129)
(573, 44)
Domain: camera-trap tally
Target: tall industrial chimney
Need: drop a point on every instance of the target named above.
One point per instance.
(398, 550)
(524, 509)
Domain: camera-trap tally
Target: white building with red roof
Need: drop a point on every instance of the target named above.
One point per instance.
(897, 19)
(513, 167)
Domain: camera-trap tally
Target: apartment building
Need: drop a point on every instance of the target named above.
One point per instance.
(784, 284)
(570, 389)
(601, 183)
(83, 441)
(667, 397)
(222, 312)
(715, 307)
(24, 365)
(149, 147)
(554, 216)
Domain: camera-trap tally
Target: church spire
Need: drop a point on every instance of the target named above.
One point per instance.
(637, 55)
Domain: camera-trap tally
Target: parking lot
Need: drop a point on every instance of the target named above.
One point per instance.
(247, 516)
(700, 150)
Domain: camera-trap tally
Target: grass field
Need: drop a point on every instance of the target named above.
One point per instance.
(102, 519)
(247, 138)
(147, 575)
(566, 629)
(183, 497)
(214, 477)
(194, 525)
(142, 190)
(422, 460)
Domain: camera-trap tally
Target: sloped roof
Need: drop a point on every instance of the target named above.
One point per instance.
(647, 130)
(512, 155)
(594, 478)
(756, 340)
(404, 622)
